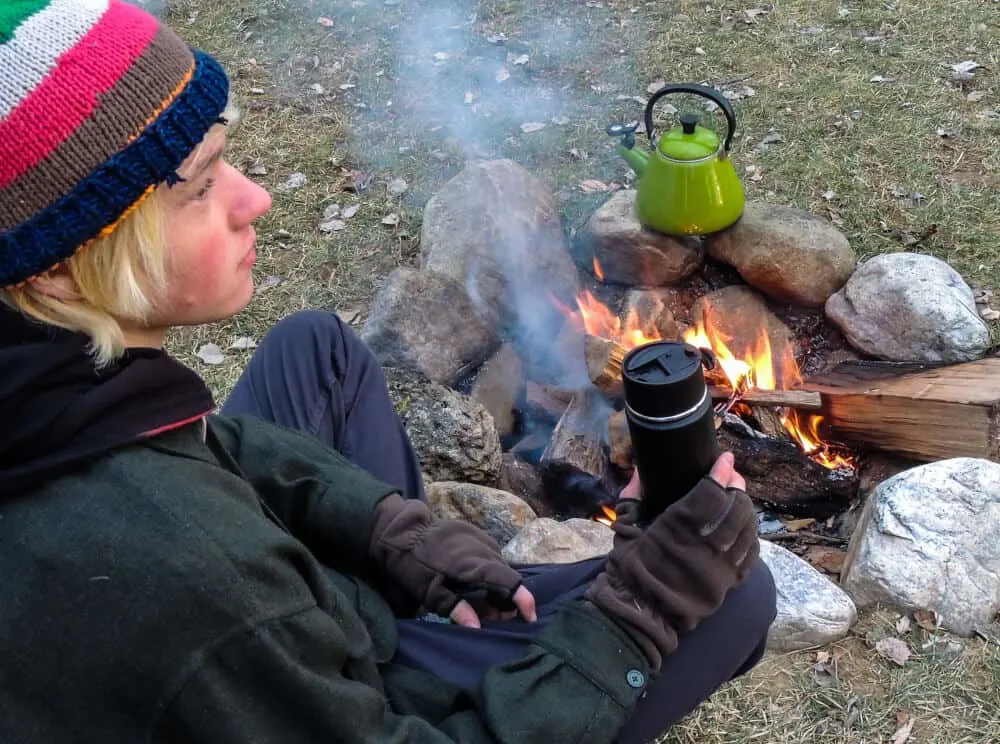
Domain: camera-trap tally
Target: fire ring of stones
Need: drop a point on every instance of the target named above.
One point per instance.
(864, 416)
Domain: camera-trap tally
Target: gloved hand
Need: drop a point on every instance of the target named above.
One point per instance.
(442, 563)
(663, 581)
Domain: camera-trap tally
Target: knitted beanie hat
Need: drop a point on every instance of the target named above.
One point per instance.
(99, 103)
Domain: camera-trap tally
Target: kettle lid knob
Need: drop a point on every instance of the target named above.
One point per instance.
(688, 122)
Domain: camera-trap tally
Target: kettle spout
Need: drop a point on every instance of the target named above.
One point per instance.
(635, 157)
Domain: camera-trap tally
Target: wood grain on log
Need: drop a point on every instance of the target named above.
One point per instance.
(574, 465)
(920, 412)
(804, 400)
(604, 364)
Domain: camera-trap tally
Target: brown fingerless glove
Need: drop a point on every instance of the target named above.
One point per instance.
(439, 561)
(663, 581)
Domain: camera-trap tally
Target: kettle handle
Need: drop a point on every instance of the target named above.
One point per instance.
(699, 90)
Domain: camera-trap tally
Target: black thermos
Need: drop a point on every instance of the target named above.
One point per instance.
(670, 419)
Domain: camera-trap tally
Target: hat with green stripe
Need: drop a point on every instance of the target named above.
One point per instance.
(99, 103)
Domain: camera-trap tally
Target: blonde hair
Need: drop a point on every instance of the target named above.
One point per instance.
(116, 277)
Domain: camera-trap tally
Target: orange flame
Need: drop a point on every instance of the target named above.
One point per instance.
(608, 515)
(745, 369)
(598, 271)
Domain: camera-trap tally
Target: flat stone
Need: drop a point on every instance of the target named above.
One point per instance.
(425, 321)
(908, 307)
(453, 435)
(500, 514)
(788, 254)
(929, 539)
(812, 610)
(548, 541)
(631, 254)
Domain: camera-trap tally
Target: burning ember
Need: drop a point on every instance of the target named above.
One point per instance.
(608, 515)
(743, 369)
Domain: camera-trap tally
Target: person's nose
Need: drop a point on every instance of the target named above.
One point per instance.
(252, 200)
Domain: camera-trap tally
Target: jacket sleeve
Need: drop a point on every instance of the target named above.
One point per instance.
(321, 497)
(279, 681)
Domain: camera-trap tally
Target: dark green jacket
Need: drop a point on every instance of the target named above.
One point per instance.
(213, 589)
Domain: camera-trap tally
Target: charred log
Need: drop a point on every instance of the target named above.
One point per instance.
(780, 476)
(574, 466)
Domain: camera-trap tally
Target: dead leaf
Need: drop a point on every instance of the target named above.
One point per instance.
(391, 219)
(771, 138)
(441, 56)
(904, 727)
(532, 126)
(882, 79)
(324, 21)
(829, 194)
(294, 181)
(469, 97)
(824, 674)
(360, 181)
(989, 314)
(502, 74)
(257, 170)
(346, 86)
(794, 525)
(592, 185)
(317, 89)
(560, 121)
(497, 38)
(331, 211)
(825, 558)
(699, 50)
(822, 657)
(903, 624)
(976, 96)
(397, 187)
(521, 59)
(243, 343)
(894, 649)
(268, 282)
(965, 67)
(655, 86)
(349, 211)
(334, 225)
(210, 354)
(349, 314)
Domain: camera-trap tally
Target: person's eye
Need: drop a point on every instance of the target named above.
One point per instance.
(203, 191)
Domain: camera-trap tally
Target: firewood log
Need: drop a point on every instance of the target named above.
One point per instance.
(574, 466)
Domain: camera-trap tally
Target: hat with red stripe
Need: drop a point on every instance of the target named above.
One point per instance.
(99, 103)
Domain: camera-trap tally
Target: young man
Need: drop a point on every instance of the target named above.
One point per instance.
(174, 575)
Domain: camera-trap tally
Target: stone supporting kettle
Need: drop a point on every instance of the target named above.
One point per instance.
(687, 182)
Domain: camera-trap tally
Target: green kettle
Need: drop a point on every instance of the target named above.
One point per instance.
(687, 183)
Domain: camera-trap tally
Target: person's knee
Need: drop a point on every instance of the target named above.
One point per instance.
(759, 598)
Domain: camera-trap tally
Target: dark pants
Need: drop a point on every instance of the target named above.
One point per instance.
(314, 374)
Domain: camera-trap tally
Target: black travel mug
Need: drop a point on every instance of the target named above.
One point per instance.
(670, 420)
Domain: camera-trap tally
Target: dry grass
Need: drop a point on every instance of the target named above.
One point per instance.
(949, 690)
(909, 164)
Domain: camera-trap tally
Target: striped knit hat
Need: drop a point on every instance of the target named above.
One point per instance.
(99, 103)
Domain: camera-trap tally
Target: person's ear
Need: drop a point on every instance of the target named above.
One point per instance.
(57, 284)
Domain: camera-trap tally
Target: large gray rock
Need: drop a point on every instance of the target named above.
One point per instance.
(425, 321)
(929, 539)
(453, 435)
(812, 610)
(498, 384)
(496, 229)
(631, 254)
(548, 541)
(908, 307)
(500, 514)
(741, 315)
(788, 254)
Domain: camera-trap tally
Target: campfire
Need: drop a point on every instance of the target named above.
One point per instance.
(739, 373)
